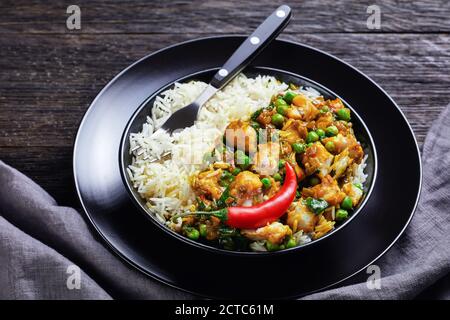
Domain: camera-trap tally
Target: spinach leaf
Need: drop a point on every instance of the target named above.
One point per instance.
(316, 205)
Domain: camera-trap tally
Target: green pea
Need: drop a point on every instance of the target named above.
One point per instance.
(312, 137)
(203, 230)
(272, 246)
(277, 177)
(324, 109)
(291, 243)
(320, 133)
(330, 146)
(282, 109)
(289, 96)
(314, 181)
(309, 144)
(277, 120)
(242, 160)
(281, 164)
(266, 183)
(193, 234)
(298, 147)
(331, 131)
(226, 175)
(236, 171)
(343, 114)
(245, 163)
(341, 215)
(280, 102)
(347, 203)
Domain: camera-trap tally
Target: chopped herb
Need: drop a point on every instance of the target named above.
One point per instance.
(221, 203)
(236, 171)
(201, 205)
(316, 205)
(226, 178)
(256, 114)
(227, 231)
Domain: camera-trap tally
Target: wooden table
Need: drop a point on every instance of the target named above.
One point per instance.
(49, 74)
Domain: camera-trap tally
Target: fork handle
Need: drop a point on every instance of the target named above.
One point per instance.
(252, 46)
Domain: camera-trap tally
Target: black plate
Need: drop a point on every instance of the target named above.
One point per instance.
(215, 273)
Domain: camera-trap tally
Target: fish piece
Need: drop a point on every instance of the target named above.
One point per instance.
(327, 190)
(206, 183)
(341, 162)
(324, 120)
(267, 158)
(303, 109)
(265, 117)
(317, 159)
(294, 131)
(335, 104)
(299, 217)
(340, 142)
(353, 192)
(275, 233)
(246, 186)
(239, 134)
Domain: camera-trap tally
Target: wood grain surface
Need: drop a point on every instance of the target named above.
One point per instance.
(49, 75)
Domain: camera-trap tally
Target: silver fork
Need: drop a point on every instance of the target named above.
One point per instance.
(247, 51)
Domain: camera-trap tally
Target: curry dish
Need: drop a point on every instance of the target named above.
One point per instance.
(282, 178)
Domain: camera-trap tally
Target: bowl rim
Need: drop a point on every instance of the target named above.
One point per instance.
(135, 198)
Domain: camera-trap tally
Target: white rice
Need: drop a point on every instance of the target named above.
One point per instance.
(358, 172)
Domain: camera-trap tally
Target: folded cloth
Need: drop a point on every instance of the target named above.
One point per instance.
(49, 252)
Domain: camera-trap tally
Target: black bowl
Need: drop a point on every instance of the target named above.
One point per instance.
(139, 118)
(218, 273)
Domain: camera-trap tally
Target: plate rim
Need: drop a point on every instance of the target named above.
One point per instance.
(156, 277)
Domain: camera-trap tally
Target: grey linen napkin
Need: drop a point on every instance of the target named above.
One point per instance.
(44, 247)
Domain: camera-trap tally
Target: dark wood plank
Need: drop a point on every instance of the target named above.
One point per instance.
(51, 168)
(212, 16)
(47, 82)
(49, 75)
